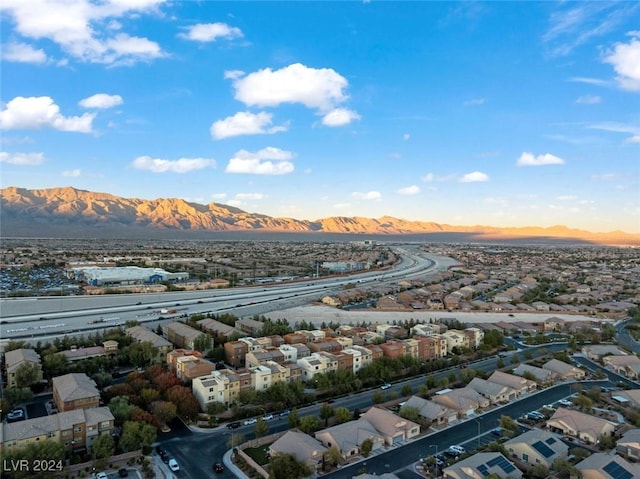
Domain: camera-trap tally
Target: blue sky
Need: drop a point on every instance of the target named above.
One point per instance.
(498, 113)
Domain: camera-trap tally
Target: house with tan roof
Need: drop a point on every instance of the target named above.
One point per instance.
(628, 396)
(394, 429)
(495, 393)
(75, 391)
(563, 370)
(182, 335)
(216, 328)
(543, 376)
(75, 429)
(141, 335)
(348, 437)
(585, 427)
(537, 446)
(628, 445)
(482, 465)
(628, 366)
(15, 359)
(596, 352)
(603, 466)
(303, 447)
(520, 384)
(438, 414)
(465, 401)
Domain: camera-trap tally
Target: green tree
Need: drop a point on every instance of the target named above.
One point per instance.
(583, 403)
(136, 435)
(564, 469)
(606, 441)
(140, 354)
(216, 407)
(294, 418)
(377, 397)
(500, 363)
(103, 446)
(407, 390)
(261, 428)
(18, 395)
(309, 424)
(286, 466)
(539, 471)
(366, 447)
(55, 364)
(333, 456)
(203, 343)
(326, 412)
(343, 415)
(121, 409)
(411, 413)
(27, 375)
(508, 424)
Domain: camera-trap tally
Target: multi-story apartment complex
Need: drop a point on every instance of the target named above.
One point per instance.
(75, 391)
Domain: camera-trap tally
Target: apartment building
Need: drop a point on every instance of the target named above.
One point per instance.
(181, 335)
(313, 365)
(191, 367)
(14, 360)
(140, 334)
(75, 391)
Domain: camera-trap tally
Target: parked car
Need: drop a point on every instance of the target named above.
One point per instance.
(234, 425)
(123, 472)
(385, 386)
(102, 475)
(267, 417)
(534, 416)
(455, 450)
(250, 421)
(564, 402)
(217, 467)
(497, 431)
(286, 412)
(173, 465)
(16, 415)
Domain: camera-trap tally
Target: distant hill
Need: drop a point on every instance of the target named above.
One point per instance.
(72, 213)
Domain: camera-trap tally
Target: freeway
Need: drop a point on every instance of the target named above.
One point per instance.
(46, 318)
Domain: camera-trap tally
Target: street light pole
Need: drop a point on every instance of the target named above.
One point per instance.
(436, 463)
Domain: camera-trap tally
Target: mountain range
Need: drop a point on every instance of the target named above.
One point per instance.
(69, 212)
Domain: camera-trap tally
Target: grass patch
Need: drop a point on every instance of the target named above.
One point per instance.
(258, 454)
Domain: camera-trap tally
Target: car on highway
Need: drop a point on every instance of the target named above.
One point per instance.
(251, 421)
(218, 468)
(267, 417)
(173, 465)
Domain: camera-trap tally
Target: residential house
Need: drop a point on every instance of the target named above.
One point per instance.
(181, 335)
(361, 357)
(518, 383)
(438, 414)
(15, 359)
(75, 391)
(604, 466)
(348, 437)
(140, 334)
(261, 356)
(391, 427)
(537, 446)
(628, 445)
(563, 370)
(585, 427)
(235, 353)
(630, 397)
(312, 365)
(596, 352)
(495, 393)
(303, 447)
(249, 326)
(628, 366)
(191, 367)
(481, 465)
(75, 430)
(455, 339)
(172, 357)
(212, 388)
(543, 376)
(465, 401)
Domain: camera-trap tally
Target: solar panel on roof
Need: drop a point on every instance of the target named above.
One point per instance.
(494, 461)
(551, 440)
(483, 470)
(616, 471)
(507, 467)
(543, 449)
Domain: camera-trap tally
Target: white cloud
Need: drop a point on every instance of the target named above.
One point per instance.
(182, 165)
(528, 159)
(406, 136)
(320, 89)
(22, 53)
(33, 113)
(633, 130)
(475, 102)
(431, 177)
(428, 178)
(100, 101)
(249, 196)
(409, 190)
(245, 123)
(83, 29)
(76, 173)
(340, 117)
(625, 59)
(474, 177)
(210, 32)
(589, 81)
(369, 195)
(268, 161)
(218, 196)
(588, 100)
(233, 74)
(22, 159)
